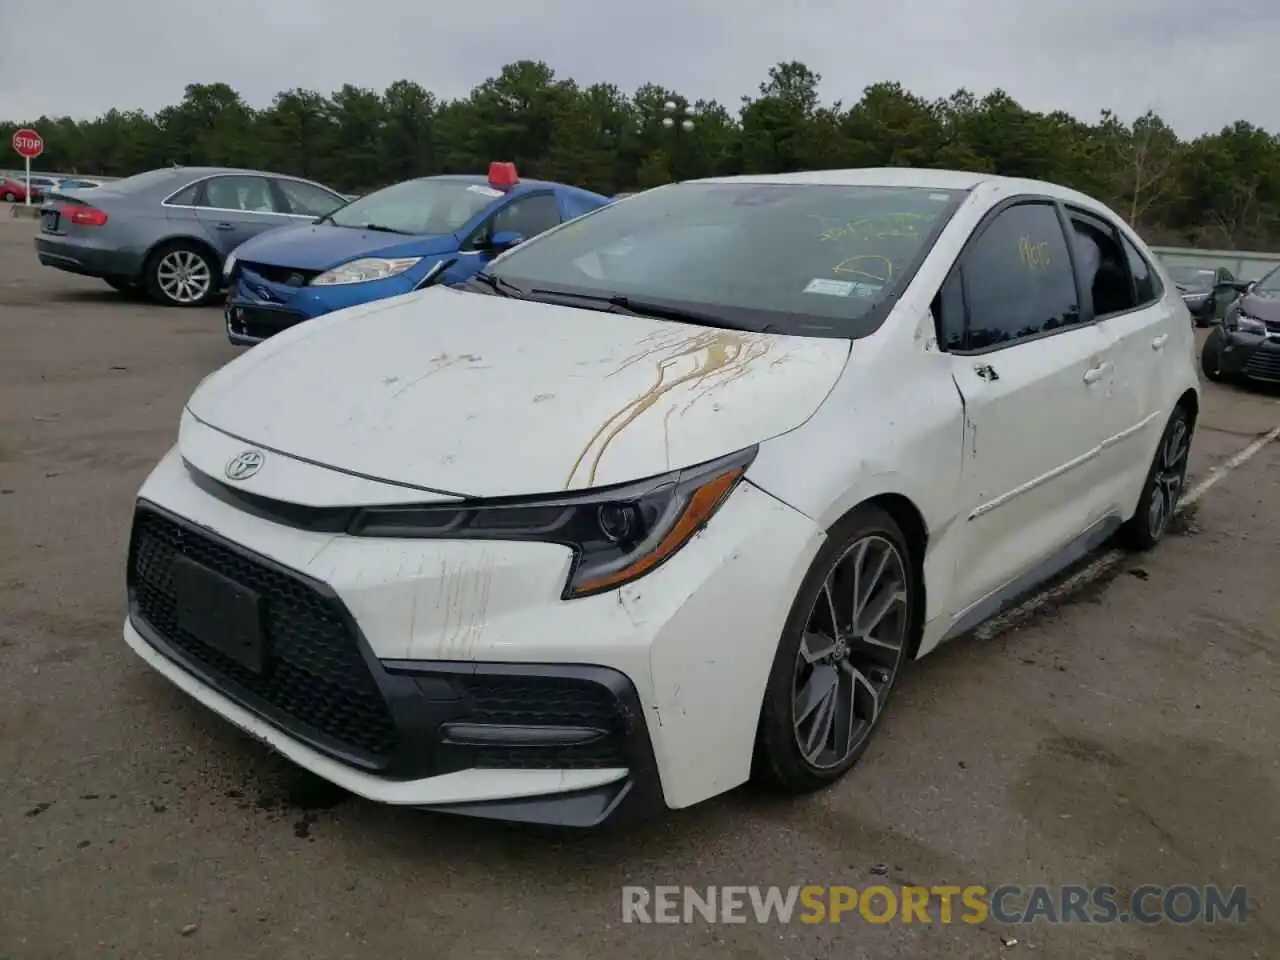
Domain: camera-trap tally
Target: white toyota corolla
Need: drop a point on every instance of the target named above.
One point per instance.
(667, 496)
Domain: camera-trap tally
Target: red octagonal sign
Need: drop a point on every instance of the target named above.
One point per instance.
(28, 143)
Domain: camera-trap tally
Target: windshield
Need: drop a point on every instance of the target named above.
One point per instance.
(1193, 278)
(1270, 284)
(418, 207)
(810, 259)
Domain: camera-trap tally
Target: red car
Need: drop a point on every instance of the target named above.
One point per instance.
(13, 190)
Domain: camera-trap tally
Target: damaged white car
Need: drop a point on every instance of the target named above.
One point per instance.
(666, 497)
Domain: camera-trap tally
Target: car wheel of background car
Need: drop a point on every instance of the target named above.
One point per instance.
(9, 197)
(1211, 357)
(1163, 489)
(181, 275)
(843, 646)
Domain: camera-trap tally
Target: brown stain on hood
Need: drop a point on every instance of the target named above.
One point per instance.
(714, 357)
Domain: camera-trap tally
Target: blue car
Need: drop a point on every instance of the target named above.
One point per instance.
(412, 235)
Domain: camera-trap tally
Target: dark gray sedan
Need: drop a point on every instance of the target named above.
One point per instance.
(167, 232)
(1245, 345)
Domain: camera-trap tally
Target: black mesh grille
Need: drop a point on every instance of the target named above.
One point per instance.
(548, 701)
(262, 322)
(289, 276)
(1264, 364)
(315, 676)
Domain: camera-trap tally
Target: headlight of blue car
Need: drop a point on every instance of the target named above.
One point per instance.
(363, 271)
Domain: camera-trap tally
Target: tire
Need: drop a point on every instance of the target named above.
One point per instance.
(858, 675)
(10, 198)
(1163, 487)
(181, 274)
(1211, 358)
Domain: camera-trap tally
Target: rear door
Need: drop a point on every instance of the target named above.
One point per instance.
(1035, 376)
(232, 208)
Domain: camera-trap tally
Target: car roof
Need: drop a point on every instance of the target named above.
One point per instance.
(523, 185)
(911, 177)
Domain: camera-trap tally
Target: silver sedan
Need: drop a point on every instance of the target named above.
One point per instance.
(167, 232)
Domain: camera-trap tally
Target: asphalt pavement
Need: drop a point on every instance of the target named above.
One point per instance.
(1123, 734)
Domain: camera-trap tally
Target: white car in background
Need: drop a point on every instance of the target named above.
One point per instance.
(667, 496)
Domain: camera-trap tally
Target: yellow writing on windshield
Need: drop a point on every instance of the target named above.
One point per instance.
(1034, 256)
(867, 266)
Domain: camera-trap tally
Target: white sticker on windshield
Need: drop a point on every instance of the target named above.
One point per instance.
(486, 191)
(939, 196)
(861, 289)
(831, 288)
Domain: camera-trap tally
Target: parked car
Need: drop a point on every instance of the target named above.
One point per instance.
(1206, 291)
(1246, 344)
(402, 238)
(537, 547)
(75, 184)
(13, 190)
(168, 231)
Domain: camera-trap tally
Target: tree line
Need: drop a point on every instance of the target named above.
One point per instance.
(1217, 190)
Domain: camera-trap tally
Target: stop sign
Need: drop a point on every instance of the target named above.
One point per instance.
(28, 143)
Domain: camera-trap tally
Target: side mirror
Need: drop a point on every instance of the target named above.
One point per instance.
(504, 240)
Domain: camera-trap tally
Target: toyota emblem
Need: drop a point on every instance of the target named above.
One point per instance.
(244, 465)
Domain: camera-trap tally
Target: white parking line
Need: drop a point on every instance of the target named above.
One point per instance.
(1104, 563)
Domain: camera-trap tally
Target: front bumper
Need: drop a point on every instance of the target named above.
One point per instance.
(1248, 356)
(260, 306)
(450, 676)
(86, 259)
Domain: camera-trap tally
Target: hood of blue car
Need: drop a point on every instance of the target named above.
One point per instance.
(322, 246)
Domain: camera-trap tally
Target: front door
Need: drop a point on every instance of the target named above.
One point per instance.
(1035, 379)
(237, 207)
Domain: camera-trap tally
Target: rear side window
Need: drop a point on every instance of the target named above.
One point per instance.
(1018, 280)
(1146, 283)
(185, 197)
(1103, 266)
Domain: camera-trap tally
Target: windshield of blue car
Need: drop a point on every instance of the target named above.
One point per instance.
(418, 207)
(807, 259)
(1193, 278)
(1269, 284)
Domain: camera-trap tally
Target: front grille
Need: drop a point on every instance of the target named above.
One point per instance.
(1264, 365)
(316, 684)
(289, 276)
(548, 701)
(261, 323)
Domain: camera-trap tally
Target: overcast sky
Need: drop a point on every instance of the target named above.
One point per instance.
(1200, 65)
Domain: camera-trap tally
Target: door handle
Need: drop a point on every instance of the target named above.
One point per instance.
(1094, 374)
(1159, 342)
(226, 226)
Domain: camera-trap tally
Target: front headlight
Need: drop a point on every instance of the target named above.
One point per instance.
(617, 534)
(362, 271)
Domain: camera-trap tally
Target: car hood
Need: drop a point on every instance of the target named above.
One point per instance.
(1263, 306)
(486, 396)
(322, 246)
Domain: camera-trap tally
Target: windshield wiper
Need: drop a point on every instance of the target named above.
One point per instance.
(379, 228)
(504, 288)
(646, 308)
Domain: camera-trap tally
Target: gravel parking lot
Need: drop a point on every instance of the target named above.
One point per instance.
(1125, 735)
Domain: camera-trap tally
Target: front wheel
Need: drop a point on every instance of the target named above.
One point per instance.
(1163, 489)
(842, 648)
(1211, 357)
(181, 275)
(9, 197)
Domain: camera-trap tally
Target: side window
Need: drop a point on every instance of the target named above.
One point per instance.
(186, 197)
(1102, 264)
(1018, 277)
(308, 200)
(528, 216)
(576, 206)
(250, 194)
(948, 313)
(1146, 284)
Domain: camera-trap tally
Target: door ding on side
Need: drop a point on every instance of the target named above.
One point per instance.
(1033, 374)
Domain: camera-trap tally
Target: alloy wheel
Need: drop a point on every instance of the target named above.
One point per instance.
(1170, 474)
(850, 652)
(184, 276)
